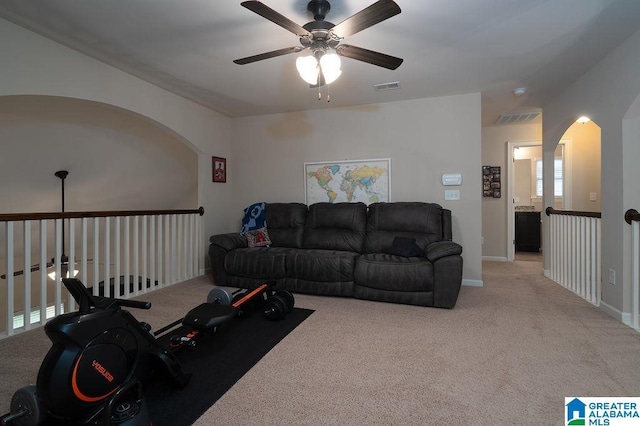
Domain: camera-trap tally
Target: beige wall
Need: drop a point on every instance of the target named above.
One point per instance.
(494, 210)
(424, 139)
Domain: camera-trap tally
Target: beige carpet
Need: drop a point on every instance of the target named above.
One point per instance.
(508, 353)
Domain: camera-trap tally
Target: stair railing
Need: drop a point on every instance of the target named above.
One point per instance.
(114, 253)
(575, 252)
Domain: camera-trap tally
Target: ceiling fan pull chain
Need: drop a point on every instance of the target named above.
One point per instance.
(328, 94)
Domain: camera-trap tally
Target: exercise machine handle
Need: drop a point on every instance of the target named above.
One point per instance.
(86, 300)
(133, 303)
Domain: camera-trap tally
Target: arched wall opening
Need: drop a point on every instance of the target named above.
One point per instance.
(589, 137)
(584, 186)
(117, 159)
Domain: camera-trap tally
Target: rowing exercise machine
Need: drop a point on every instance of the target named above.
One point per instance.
(100, 354)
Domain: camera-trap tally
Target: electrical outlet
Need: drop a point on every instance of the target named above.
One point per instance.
(612, 276)
(593, 196)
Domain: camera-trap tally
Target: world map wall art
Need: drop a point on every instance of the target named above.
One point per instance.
(350, 181)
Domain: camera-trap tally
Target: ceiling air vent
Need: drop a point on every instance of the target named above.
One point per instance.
(387, 86)
(517, 117)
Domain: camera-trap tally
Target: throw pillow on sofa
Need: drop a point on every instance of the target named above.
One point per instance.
(258, 238)
(254, 225)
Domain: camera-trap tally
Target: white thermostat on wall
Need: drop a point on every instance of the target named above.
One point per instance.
(451, 179)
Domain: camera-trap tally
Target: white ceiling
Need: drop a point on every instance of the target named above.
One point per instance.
(448, 46)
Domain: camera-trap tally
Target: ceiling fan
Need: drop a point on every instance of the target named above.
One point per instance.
(321, 36)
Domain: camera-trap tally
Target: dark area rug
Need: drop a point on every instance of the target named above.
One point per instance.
(217, 363)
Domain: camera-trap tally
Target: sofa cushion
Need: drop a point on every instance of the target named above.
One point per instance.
(339, 226)
(422, 221)
(321, 265)
(258, 262)
(285, 222)
(396, 273)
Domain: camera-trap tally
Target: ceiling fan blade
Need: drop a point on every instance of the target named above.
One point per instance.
(267, 55)
(33, 268)
(369, 56)
(377, 12)
(270, 14)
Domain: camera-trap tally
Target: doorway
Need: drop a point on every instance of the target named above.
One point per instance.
(525, 202)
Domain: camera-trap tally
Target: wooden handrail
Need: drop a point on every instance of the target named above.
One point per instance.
(631, 215)
(9, 217)
(550, 210)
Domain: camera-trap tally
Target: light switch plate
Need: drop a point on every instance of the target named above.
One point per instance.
(452, 194)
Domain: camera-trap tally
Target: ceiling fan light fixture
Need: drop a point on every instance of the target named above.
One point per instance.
(308, 69)
(330, 64)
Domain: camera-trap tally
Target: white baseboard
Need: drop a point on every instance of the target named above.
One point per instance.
(494, 258)
(623, 317)
(473, 283)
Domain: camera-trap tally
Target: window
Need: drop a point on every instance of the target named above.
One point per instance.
(557, 177)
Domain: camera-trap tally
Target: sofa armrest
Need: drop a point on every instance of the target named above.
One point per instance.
(447, 279)
(229, 241)
(440, 249)
(447, 272)
(222, 244)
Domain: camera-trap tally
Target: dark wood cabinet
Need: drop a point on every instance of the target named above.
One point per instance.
(528, 231)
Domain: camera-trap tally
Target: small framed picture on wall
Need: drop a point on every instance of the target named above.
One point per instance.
(491, 186)
(219, 166)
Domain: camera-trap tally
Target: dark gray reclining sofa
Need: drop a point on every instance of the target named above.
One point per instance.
(347, 249)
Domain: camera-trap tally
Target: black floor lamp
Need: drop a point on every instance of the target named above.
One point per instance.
(64, 259)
